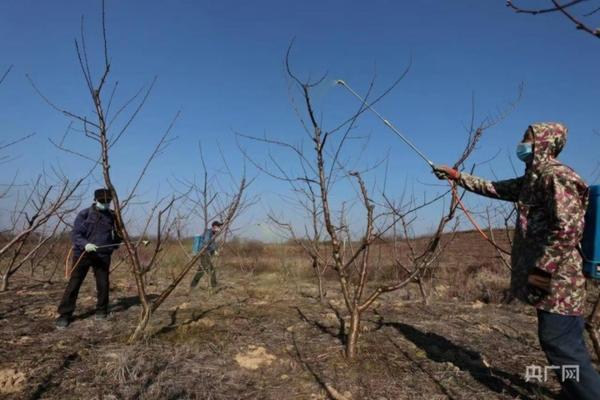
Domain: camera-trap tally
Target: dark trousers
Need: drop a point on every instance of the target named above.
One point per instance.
(561, 338)
(206, 265)
(101, 270)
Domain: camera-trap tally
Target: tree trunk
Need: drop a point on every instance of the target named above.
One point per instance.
(321, 293)
(140, 329)
(423, 292)
(353, 335)
(319, 279)
(4, 283)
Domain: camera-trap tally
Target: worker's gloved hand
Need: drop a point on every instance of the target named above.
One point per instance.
(216, 253)
(90, 247)
(540, 279)
(446, 172)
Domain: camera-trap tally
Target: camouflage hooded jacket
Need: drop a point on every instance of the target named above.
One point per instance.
(551, 200)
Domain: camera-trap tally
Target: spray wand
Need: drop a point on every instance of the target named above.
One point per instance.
(387, 123)
(425, 158)
(69, 271)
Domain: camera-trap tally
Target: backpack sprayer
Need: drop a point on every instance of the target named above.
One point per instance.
(590, 244)
(197, 244)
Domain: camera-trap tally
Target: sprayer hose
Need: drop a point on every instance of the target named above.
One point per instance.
(471, 219)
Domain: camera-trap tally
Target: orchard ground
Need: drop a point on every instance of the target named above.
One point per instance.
(264, 334)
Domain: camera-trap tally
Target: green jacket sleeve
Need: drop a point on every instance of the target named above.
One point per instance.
(508, 189)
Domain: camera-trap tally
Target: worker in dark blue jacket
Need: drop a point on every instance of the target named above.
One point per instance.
(94, 238)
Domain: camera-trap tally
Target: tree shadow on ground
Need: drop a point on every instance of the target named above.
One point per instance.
(210, 290)
(332, 393)
(120, 305)
(173, 325)
(341, 331)
(53, 378)
(442, 350)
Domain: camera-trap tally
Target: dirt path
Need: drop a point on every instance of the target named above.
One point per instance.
(263, 338)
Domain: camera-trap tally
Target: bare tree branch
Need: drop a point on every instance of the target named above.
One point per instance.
(563, 9)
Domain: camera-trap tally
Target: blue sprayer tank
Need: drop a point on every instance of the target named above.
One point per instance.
(590, 244)
(197, 245)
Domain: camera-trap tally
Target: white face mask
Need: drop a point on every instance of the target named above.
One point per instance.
(102, 206)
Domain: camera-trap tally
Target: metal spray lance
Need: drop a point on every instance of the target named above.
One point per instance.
(427, 160)
(387, 123)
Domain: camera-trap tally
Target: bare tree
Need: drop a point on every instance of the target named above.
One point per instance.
(306, 198)
(311, 241)
(579, 18)
(43, 203)
(4, 158)
(47, 262)
(101, 128)
(5, 74)
(5, 188)
(321, 170)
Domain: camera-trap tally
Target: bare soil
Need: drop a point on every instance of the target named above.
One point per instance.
(264, 336)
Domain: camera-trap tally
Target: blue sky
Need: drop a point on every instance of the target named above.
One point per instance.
(221, 64)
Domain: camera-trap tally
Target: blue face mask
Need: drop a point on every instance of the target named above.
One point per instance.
(525, 151)
(102, 206)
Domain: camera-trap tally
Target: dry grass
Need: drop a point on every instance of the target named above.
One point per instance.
(269, 317)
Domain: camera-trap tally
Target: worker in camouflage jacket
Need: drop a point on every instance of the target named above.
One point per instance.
(546, 263)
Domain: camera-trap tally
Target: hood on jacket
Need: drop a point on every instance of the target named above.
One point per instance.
(549, 138)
